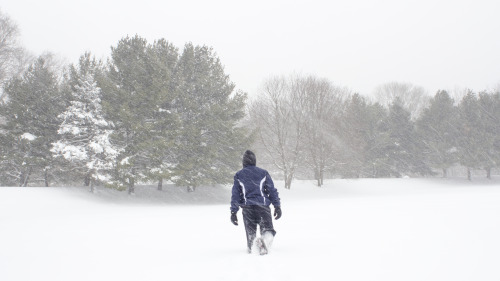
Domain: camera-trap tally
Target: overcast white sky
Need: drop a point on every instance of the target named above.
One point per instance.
(359, 44)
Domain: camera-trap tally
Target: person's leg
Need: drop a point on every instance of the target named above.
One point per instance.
(267, 231)
(250, 226)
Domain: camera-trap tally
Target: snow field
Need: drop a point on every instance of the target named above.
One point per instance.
(369, 229)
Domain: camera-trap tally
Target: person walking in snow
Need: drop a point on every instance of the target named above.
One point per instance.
(254, 191)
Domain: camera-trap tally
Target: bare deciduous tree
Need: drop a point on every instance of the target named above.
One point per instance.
(413, 98)
(322, 103)
(279, 125)
(13, 58)
(295, 122)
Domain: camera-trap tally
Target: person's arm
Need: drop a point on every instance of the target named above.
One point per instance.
(273, 196)
(273, 192)
(235, 196)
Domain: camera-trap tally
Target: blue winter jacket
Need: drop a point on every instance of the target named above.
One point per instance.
(253, 186)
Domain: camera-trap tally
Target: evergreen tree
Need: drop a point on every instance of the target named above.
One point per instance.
(438, 130)
(377, 141)
(496, 128)
(77, 76)
(210, 143)
(87, 66)
(30, 117)
(403, 148)
(470, 128)
(354, 128)
(161, 149)
(85, 133)
(363, 140)
(139, 100)
(489, 130)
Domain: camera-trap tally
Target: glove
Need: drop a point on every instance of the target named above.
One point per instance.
(234, 219)
(277, 212)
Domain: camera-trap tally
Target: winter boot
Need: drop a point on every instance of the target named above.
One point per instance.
(261, 246)
(268, 238)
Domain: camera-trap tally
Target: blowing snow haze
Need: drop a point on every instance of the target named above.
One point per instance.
(356, 44)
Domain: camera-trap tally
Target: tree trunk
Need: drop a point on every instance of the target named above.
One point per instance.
(86, 180)
(160, 184)
(317, 176)
(25, 184)
(25, 176)
(288, 181)
(469, 174)
(92, 185)
(90, 180)
(488, 173)
(21, 178)
(321, 177)
(131, 186)
(46, 177)
(445, 173)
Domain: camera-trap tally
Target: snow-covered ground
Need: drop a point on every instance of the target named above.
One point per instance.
(367, 229)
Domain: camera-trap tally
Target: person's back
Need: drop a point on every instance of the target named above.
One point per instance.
(257, 187)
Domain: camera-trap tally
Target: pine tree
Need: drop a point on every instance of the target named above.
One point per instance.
(30, 117)
(496, 128)
(164, 57)
(363, 139)
(85, 134)
(377, 141)
(210, 144)
(354, 128)
(139, 99)
(403, 148)
(438, 130)
(469, 141)
(77, 75)
(489, 130)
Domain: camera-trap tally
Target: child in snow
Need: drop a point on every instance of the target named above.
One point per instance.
(254, 191)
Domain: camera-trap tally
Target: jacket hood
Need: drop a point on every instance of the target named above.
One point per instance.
(249, 159)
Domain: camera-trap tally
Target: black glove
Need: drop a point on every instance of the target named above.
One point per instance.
(277, 212)
(234, 219)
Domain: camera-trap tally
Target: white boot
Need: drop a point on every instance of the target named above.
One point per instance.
(268, 238)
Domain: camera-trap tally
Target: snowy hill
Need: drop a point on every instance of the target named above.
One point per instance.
(369, 229)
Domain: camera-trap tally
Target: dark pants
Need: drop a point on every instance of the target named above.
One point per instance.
(257, 215)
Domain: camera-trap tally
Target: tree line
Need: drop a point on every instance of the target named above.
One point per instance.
(151, 112)
(308, 126)
(155, 113)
